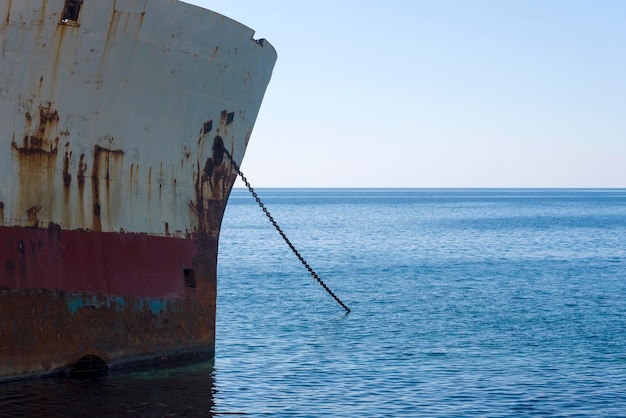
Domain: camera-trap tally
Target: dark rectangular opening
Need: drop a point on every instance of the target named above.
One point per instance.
(227, 118)
(71, 10)
(208, 125)
(190, 277)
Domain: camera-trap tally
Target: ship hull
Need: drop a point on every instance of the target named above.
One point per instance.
(113, 182)
(125, 298)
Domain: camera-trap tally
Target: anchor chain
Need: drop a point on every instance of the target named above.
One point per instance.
(280, 231)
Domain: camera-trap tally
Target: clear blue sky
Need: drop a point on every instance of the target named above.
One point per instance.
(439, 93)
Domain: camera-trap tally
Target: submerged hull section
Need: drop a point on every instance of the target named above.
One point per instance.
(112, 190)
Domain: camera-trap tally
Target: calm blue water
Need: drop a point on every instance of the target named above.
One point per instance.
(464, 303)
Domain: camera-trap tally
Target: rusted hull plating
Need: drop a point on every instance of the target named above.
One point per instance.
(111, 190)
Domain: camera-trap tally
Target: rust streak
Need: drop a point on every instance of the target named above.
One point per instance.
(33, 215)
(102, 154)
(42, 140)
(67, 178)
(8, 15)
(101, 169)
(82, 168)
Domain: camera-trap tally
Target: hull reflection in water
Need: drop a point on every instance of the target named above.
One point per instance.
(180, 391)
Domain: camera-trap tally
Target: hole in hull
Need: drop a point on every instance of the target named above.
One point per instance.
(71, 10)
(190, 277)
(218, 150)
(89, 366)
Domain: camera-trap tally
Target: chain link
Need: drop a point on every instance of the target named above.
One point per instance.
(280, 231)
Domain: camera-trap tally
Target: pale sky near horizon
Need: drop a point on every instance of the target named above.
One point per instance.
(439, 93)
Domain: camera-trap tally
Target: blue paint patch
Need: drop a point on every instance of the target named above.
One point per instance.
(157, 306)
(118, 303)
(75, 302)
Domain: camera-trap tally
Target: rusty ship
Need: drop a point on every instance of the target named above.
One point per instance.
(114, 118)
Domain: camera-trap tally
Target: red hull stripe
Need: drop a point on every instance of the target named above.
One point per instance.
(124, 264)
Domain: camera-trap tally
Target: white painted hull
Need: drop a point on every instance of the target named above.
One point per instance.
(111, 189)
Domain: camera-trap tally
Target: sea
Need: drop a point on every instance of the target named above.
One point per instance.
(463, 303)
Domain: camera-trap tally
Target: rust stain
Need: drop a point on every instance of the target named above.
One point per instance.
(132, 22)
(36, 173)
(214, 54)
(226, 119)
(82, 168)
(161, 176)
(43, 139)
(66, 327)
(128, 28)
(80, 180)
(113, 24)
(8, 14)
(213, 184)
(95, 194)
(67, 177)
(213, 179)
(59, 38)
(136, 176)
(247, 137)
(33, 215)
(104, 161)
